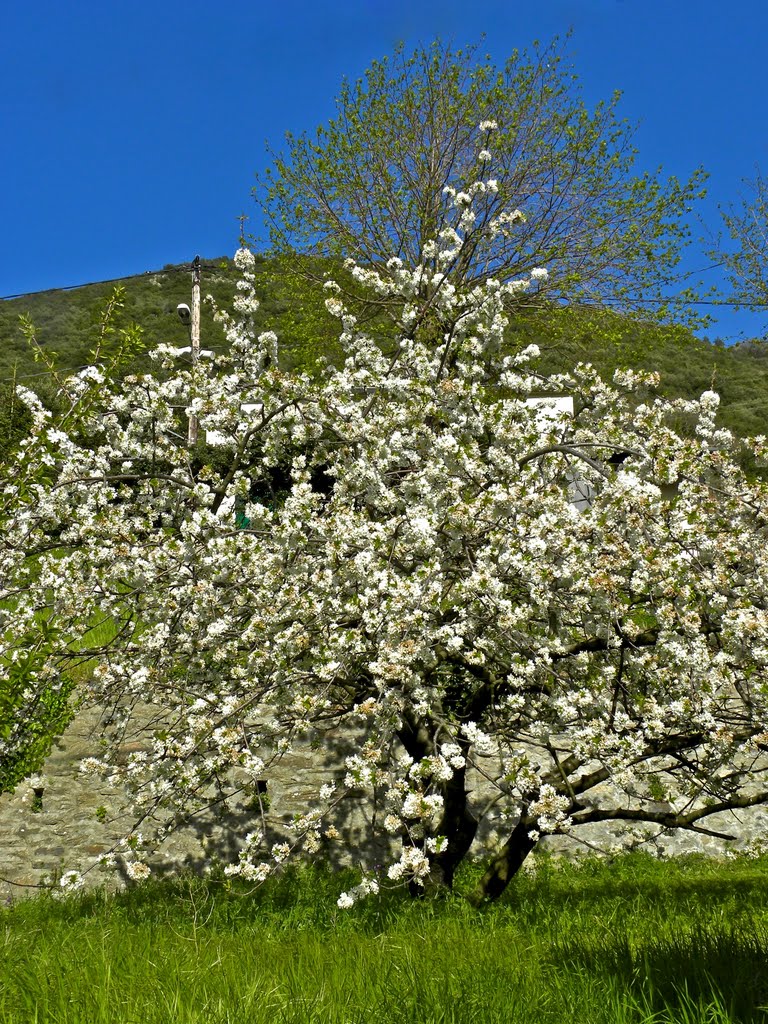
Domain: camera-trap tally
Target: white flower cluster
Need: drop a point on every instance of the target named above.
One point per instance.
(480, 740)
(71, 881)
(137, 870)
(413, 865)
(550, 810)
(368, 887)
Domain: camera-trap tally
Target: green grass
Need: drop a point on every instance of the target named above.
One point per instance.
(633, 941)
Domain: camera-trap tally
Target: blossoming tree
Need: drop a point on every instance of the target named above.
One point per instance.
(394, 547)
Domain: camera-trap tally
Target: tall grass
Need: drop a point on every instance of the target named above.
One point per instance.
(635, 942)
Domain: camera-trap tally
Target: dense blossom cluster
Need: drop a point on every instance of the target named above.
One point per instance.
(408, 564)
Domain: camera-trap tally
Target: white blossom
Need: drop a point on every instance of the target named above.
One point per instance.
(71, 881)
(137, 871)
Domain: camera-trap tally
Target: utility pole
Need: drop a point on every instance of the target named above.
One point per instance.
(194, 336)
(242, 218)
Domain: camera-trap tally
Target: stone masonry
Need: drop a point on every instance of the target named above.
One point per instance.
(64, 821)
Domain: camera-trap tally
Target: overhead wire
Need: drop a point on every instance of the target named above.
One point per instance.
(187, 268)
(176, 269)
(43, 373)
(680, 300)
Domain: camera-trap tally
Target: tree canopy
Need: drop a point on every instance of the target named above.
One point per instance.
(746, 259)
(381, 178)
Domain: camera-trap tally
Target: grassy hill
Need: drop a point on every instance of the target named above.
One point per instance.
(67, 322)
(67, 325)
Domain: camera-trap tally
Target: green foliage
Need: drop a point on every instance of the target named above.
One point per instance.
(293, 305)
(15, 418)
(69, 325)
(629, 942)
(745, 258)
(686, 364)
(370, 184)
(32, 714)
(65, 330)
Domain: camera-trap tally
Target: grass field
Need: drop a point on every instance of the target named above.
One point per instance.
(635, 940)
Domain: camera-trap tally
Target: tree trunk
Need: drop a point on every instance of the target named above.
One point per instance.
(458, 825)
(506, 863)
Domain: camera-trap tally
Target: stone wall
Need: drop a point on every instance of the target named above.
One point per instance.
(57, 825)
(62, 820)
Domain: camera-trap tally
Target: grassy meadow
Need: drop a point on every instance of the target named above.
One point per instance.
(633, 940)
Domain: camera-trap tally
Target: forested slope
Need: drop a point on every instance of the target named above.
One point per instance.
(67, 326)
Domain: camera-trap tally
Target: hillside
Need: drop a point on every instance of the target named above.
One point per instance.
(67, 322)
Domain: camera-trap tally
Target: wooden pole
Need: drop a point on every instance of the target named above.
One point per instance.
(194, 334)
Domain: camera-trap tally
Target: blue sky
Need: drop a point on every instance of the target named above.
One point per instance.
(132, 131)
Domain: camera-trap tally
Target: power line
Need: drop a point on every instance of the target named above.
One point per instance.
(44, 373)
(185, 268)
(678, 300)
